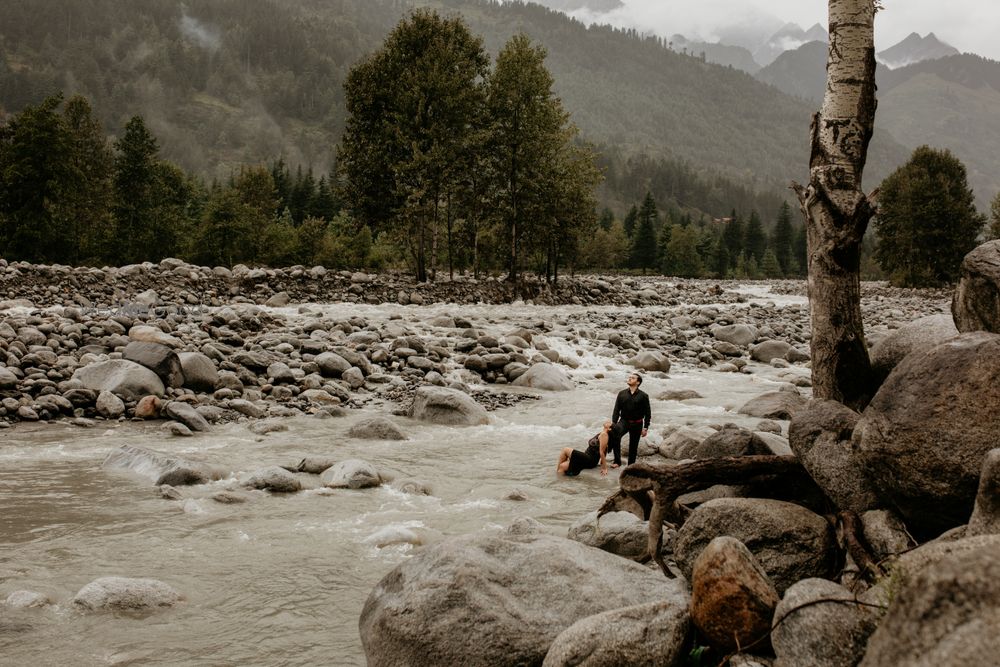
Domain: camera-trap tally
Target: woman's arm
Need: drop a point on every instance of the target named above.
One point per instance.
(602, 441)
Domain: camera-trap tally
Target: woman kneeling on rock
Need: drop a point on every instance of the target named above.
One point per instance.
(572, 461)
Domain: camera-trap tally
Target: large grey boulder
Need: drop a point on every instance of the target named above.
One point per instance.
(975, 305)
(520, 587)
(737, 334)
(443, 405)
(158, 358)
(648, 360)
(160, 468)
(820, 436)
(376, 428)
(653, 633)
(187, 415)
(123, 378)
(769, 349)
(774, 405)
(200, 373)
(621, 533)
(917, 336)
(331, 364)
(548, 377)
(147, 334)
(789, 541)
(125, 595)
(985, 518)
(923, 437)
(946, 615)
(730, 440)
(275, 479)
(109, 406)
(351, 474)
(818, 624)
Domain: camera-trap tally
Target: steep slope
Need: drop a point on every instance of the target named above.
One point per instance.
(227, 82)
(914, 49)
(800, 72)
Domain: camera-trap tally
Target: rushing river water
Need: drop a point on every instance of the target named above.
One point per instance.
(281, 579)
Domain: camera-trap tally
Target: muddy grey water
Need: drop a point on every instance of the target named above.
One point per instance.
(281, 579)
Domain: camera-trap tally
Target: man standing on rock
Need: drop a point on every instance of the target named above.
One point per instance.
(631, 415)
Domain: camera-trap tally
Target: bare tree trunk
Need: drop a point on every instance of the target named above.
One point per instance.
(837, 211)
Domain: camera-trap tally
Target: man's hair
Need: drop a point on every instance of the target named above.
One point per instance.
(637, 377)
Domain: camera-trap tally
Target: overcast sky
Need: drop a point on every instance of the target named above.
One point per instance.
(968, 25)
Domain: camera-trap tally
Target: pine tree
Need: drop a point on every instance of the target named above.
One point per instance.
(995, 217)
(927, 220)
(756, 241)
(135, 182)
(628, 224)
(606, 219)
(770, 265)
(722, 259)
(733, 235)
(36, 170)
(783, 237)
(643, 255)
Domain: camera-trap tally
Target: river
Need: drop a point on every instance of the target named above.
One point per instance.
(281, 580)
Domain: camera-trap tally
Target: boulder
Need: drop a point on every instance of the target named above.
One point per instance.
(7, 379)
(985, 518)
(274, 479)
(548, 377)
(376, 428)
(736, 334)
(121, 594)
(187, 415)
(946, 615)
(351, 474)
(146, 334)
(109, 406)
(653, 633)
(820, 436)
(160, 468)
(769, 349)
(27, 600)
(200, 373)
(975, 305)
(811, 632)
(789, 541)
(650, 361)
(621, 533)
(123, 378)
(520, 587)
(732, 599)
(443, 405)
(885, 533)
(680, 440)
(730, 440)
(331, 364)
(774, 405)
(678, 395)
(160, 359)
(917, 336)
(924, 436)
(148, 407)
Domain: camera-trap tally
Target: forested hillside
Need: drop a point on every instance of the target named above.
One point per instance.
(223, 83)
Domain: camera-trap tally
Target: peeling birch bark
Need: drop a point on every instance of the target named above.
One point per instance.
(836, 210)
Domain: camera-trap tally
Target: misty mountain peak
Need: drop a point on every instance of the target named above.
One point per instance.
(914, 49)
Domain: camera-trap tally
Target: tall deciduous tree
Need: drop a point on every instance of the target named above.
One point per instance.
(837, 212)
(412, 105)
(927, 220)
(529, 129)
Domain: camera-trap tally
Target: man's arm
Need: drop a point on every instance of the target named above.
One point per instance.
(647, 414)
(618, 409)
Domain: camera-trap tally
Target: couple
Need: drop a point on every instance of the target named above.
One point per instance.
(631, 415)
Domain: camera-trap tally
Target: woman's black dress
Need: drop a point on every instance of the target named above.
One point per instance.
(583, 460)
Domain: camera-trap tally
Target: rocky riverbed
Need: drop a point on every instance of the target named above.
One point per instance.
(121, 343)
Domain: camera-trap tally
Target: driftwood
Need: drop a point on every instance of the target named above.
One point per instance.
(667, 482)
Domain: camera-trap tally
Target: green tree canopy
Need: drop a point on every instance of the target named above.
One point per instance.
(782, 239)
(927, 220)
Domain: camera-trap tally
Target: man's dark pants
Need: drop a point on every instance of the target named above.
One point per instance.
(634, 430)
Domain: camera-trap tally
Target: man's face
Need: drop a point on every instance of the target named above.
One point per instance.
(633, 381)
